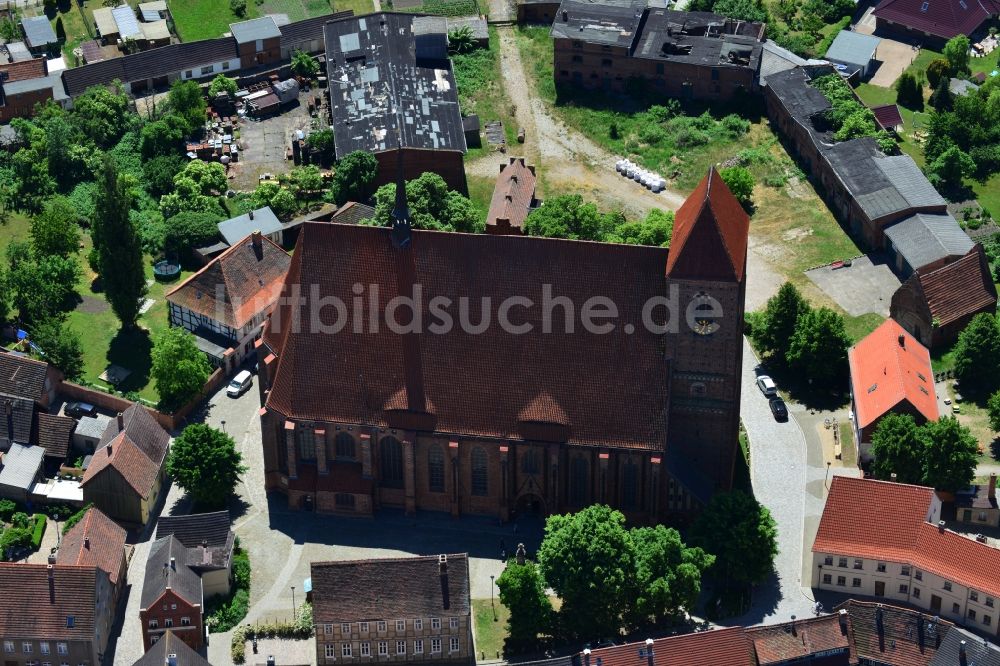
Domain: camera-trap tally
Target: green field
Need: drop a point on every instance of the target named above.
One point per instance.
(481, 90)
(206, 19)
(490, 633)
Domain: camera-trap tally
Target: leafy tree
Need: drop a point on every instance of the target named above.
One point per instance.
(774, 334)
(992, 409)
(909, 92)
(162, 137)
(306, 181)
(977, 356)
(304, 65)
(936, 70)
(60, 28)
(177, 235)
(461, 40)
(55, 231)
(238, 8)
(354, 179)
(33, 181)
(39, 286)
(898, 449)
(523, 593)
(432, 206)
(5, 290)
(185, 100)
(205, 463)
(196, 188)
(102, 113)
(952, 454)
(744, 10)
(567, 216)
(742, 535)
(668, 574)
(223, 84)
(59, 138)
(280, 199)
(950, 168)
(119, 251)
(942, 99)
(860, 123)
(655, 230)
(160, 173)
(179, 368)
(61, 346)
(956, 52)
(819, 347)
(585, 556)
(740, 182)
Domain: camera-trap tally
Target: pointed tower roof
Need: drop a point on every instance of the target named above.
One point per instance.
(710, 234)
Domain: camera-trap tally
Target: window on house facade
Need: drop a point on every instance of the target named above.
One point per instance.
(418, 624)
(381, 625)
(955, 609)
(577, 44)
(435, 469)
(418, 646)
(400, 625)
(168, 622)
(345, 628)
(827, 579)
(435, 645)
(327, 628)
(366, 649)
(346, 650)
(207, 70)
(344, 500)
(856, 582)
(841, 581)
(989, 602)
(43, 647)
(880, 567)
(306, 443)
(27, 647)
(903, 589)
(947, 586)
(842, 562)
(905, 570)
(579, 476)
(916, 593)
(391, 462)
(859, 564)
(480, 472)
(8, 646)
(62, 648)
(828, 561)
(987, 619)
(918, 574)
(972, 614)
(630, 485)
(973, 595)
(225, 64)
(185, 622)
(154, 624)
(453, 622)
(383, 648)
(331, 651)
(529, 461)
(364, 627)
(453, 647)
(435, 623)
(400, 647)
(343, 446)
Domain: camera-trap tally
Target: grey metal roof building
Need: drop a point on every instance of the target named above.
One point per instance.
(391, 82)
(610, 22)
(926, 238)
(21, 467)
(128, 24)
(962, 648)
(701, 38)
(854, 49)
(259, 28)
(53, 81)
(38, 32)
(153, 11)
(237, 228)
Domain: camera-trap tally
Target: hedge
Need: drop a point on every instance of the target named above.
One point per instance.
(75, 518)
(38, 532)
(824, 45)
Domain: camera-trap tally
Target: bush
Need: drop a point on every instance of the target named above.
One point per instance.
(238, 7)
(223, 614)
(13, 538)
(735, 125)
(20, 520)
(241, 569)
(292, 630)
(689, 138)
(7, 509)
(652, 134)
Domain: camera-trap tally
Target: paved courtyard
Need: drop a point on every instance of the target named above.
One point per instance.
(864, 286)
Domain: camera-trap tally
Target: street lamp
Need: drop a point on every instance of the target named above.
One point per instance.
(492, 605)
(224, 426)
(293, 603)
(827, 479)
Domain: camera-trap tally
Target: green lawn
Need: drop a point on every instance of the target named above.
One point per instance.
(359, 7)
(848, 454)
(206, 19)
(490, 634)
(860, 326)
(480, 193)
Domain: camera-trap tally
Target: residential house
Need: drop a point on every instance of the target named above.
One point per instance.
(890, 373)
(54, 434)
(689, 55)
(932, 22)
(888, 635)
(88, 432)
(408, 55)
(423, 616)
(965, 649)
(513, 198)
(390, 424)
(172, 596)
(263, 220)
(728, 646)
(26, 385)
(209, 541)
(39, 36)
(978, 504)
(886, 540)
(258, 41)
(55, 613)
(823, 640)
(97, 541)
(225, 303)
(126, 473)
(925, 242)
(25, 83)
(170, 650)
(855, 51)
(936, 305)
(20, 469)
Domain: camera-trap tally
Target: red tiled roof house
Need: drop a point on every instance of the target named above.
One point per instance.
(172, 597)
(99, 542)
(890, 372)
(513, 198)
(883, 540)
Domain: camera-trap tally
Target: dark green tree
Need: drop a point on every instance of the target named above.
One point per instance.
(952, 455)
(819, 347)
(160, 173)
(61, 346)
(432, 206)
(667, 577)
(951, 168)
(585, 556)
(977, 356)
(185, 100)
(956, 52)
(39, 287)
(740, 182)
(522, 592)
(322, 142)
(936, 70)
(742, 535)
(179, 368)
(898, 448)
(655, 230)
(992, 408)
(222, 84)
(567, 216)
(162, 137)
(304, 65)
(56, 231)
(205, 463)
(942, 99)
(774, 334)
(119, 250)
(354, 179)
(909, 92)
(102, 113)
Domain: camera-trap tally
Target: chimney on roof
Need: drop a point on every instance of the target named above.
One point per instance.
(993, 486)
(121, 421)
(879, 627)
(173, 564)
(443, 574)
(513, 178)
(649, 651)
(86, 542)
(9, 409)
(902, 341)
(171, 660)
(270, 661)
(520, 554)
(893, 477)
(842, 617)
(108, 447)
(961, 652)
(792, 626)
(250, 214)
(941, 526)
(257, 240)
(52, 556)
(52, 583)
(586, 656)
(565, 15)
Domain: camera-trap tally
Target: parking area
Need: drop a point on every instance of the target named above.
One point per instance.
(866, 286)
(893, 57)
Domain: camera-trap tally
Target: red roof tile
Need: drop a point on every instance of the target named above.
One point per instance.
(958, 289)
(880, 520)
(887, 116)
(95, 541)
(728, 646)
(943, 18)
(54, 433)
(778, 643)
(32, 607)
(23, 70)
(710, 234)
(885, 374)
(893, 636)
(512, 196)
(128, 460)
(248, 281)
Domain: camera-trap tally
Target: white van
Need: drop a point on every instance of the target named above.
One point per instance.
(241, 382)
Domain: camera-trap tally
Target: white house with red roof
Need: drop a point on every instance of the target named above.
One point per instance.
(886, 540)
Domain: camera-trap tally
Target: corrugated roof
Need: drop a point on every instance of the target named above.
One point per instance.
(128, 24)
(611, 22)
(853, 48)
(885, 374)
(38, 31)
(264, 27)
(104, 19)
(153, 11)
(21, 465)
(237, 228)
(925, 238)
(294, 34)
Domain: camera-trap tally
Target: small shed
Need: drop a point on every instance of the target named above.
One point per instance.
(156, 33)
(92, 52)
(107, 27)
(888, 117)
(855, 51)
(128, 23)
(477, 24)
(18, 52)
(471, 127)
(22, 466)
(263, 220)
(961, 87)
(88, 432)
(287, 91)
(38, 33)
(153, 11)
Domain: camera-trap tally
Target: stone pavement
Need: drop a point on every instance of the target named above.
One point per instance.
(864, 286)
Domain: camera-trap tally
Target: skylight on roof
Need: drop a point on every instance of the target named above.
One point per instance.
(924, 6)
(872, 387)
(962, 3)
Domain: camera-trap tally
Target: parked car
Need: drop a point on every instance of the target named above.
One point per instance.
(766, 385)
(778, 409)
(78, 409)
(241, 382)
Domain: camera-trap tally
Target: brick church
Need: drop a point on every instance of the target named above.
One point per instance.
(493, 422)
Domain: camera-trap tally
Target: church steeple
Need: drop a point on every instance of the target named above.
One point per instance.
(401, 227)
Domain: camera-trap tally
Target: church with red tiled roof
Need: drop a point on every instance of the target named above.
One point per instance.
(491, 392)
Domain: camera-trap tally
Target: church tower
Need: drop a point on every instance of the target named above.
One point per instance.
(706, 266)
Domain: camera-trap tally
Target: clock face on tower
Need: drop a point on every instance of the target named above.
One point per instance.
(704, 326)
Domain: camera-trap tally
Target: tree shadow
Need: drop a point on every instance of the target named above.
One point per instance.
(995, 449)
(638, 97)
(131, 348)
(798, 387)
